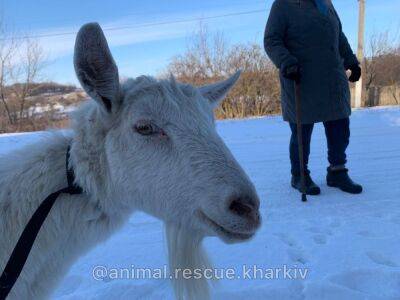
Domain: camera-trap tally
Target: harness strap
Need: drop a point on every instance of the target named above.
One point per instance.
(24, 245)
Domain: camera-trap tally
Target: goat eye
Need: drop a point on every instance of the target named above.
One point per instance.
(145, 129)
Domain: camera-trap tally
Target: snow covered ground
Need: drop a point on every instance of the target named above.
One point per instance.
(349, 245)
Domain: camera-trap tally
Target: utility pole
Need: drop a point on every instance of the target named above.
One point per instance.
(360, 51)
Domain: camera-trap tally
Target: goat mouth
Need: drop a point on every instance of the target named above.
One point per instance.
(223, 232)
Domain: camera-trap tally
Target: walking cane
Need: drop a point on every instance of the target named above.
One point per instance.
(300, 139)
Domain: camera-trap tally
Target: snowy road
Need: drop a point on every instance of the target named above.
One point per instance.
(350, 245)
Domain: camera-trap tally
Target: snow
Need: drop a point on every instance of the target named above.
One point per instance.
(349, 244)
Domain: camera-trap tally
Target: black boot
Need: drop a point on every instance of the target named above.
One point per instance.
(340, 178)
(311, 187)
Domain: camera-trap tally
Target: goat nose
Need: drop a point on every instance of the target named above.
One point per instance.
(244, 206)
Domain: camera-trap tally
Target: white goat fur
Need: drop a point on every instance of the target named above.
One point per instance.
(170, 177)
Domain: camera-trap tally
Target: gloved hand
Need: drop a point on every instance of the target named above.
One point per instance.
(355, 73)
(292, 73)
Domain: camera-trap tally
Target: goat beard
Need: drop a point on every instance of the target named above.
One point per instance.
(185, 252)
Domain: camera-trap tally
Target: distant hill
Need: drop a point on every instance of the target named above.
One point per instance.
(58, 97)
(46, 105)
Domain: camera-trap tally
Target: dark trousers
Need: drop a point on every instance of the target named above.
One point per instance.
(337, 135)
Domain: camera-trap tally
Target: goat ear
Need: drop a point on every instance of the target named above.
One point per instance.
(217, 91)
(95, 66)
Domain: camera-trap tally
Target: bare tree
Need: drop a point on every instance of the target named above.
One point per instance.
(21, 63)
(26, 71)
(204, 57)
(210, 57)
(7, 50)
(382, 66)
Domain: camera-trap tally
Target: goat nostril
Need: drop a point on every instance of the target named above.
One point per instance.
(240, 207)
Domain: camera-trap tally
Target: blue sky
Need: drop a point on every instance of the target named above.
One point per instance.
(147, 49)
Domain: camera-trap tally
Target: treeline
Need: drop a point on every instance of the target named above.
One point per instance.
(209, 58)
(382, 67)
(27, 103)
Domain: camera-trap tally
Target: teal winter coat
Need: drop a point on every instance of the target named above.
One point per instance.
(298, 33)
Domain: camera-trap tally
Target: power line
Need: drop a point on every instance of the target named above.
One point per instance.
(140, 25)
(136, 13)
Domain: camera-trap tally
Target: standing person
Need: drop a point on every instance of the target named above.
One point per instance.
(304, 39)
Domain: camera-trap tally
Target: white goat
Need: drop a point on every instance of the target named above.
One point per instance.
(146, 144)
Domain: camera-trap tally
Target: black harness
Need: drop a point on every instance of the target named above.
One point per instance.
(24, 245)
